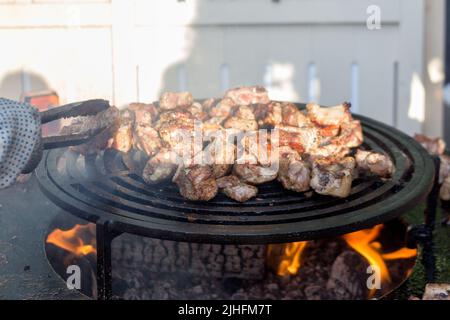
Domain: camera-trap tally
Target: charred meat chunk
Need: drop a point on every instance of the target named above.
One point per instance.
(196, 182)
(435, 146)
(173, 100)
(333, 177)
(233, 188)
(245, 96)
(294, 173)
(160, 167)
(332, 116)
(376, 163)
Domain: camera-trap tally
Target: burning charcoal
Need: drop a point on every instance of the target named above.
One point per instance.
(314, 292)
(347, 277)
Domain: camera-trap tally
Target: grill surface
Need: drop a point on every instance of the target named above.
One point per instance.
(102, 189)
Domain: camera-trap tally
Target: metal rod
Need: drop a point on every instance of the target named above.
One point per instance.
(428, 257)
(433, 197)
(104, 267)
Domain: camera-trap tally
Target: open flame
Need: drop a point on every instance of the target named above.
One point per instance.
(290, 257)
(364, 242)
(80, 240)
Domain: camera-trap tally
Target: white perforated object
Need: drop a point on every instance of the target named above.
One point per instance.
(20, 133)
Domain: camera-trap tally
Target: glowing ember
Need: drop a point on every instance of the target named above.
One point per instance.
(364, 242)
(80, 240)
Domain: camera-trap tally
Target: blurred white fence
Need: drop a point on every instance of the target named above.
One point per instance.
(322, 50)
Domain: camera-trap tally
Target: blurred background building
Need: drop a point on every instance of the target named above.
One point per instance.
(385, 56)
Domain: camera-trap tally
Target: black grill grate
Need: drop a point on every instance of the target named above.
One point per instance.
(103, 189)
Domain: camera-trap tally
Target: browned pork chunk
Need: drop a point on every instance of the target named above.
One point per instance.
(245, 96)
(145, 114)
(160, 167)
(175, 128)
(444, 171)
(222, 109)
(146, 139)
(292, 116)
(243, 120)
(332, 116)
(333, 177)
(351, 134)
(255, 174)
(173, 100)
(233, 188)
(108, 119)
(272, 114)
(220, 154)
(196, 182)
(434, 146)
(304, 139)
(444, 193)
(376, 163)
(123, 137)
(294, 174)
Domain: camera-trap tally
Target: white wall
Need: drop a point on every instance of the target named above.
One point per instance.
(125, 50)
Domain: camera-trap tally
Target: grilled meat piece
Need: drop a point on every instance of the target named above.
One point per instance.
(292, 116)
(108, 119)
(145, 114)
(444, 193)
(374, 162)
(241, 124)
(233, 188)
(123, 138)
(294, 174)
(220, 154)
(254, 174)
(273, 114)
(329, 150)
(351, 134)
(444, 171)
(280, 113)
(243, 120)
(223, 108)
(174, 115)
(196, 109)
(173, 100)
(196, 182)
(227, 181)
(241, 192)
(333, 177)
(256, 161)
(255, 147)
(161, 167)
(176, 129)
(332, 116)
(245, 96)
(302, 139)
(146, 139)
(434, 146)
(208, 104)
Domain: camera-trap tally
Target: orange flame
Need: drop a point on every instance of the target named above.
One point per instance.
(364, 243)
(73, 240)
(291, 259)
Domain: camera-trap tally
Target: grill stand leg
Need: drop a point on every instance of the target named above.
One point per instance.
(424, 233)
(104, 269)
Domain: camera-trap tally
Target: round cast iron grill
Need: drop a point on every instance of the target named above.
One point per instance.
(103, 189)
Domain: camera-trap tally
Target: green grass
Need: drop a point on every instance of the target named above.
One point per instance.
(415, 285)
